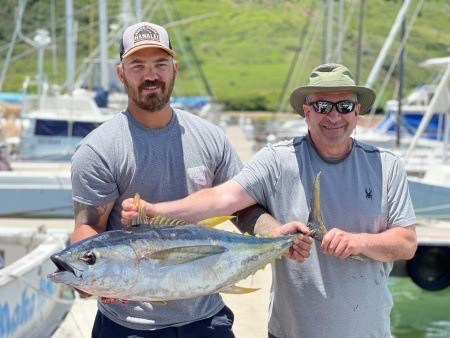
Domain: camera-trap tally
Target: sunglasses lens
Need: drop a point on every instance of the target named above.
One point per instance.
(345, 107)
(322, 107)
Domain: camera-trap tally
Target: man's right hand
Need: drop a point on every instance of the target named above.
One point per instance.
(301, 246)
(130, 211)
(82, 293)
(104, 300)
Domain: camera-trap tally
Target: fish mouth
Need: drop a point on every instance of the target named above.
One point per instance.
(63, 268)
(61, 264)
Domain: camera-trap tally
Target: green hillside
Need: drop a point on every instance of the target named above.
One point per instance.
(245, 48)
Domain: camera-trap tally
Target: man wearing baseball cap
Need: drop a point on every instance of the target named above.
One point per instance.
(164, 154)
(364, 201)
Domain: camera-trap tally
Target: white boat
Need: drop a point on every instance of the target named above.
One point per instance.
(35, 194)
(431, 194)
(423, 101)
(52, 126)
(30, 304)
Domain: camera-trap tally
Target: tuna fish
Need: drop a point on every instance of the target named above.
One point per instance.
(164, 259)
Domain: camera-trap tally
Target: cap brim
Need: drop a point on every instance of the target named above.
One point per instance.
(135, 49)
(366, 96)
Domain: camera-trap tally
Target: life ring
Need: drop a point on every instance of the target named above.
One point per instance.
(430, 267)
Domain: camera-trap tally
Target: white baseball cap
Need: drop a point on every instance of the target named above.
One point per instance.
(144, 35)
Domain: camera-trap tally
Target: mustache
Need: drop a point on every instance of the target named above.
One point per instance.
(153, 83)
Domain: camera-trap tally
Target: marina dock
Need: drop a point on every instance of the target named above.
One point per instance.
(250, 309)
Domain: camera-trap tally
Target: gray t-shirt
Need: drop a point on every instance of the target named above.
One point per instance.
(367, 192)
(120, 158)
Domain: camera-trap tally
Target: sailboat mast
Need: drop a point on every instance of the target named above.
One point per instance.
(360, 34)
(70, 59)
(387, 44)
(398, 126)
(103, 36)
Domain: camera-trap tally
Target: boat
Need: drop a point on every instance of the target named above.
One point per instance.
(431, 194)
(44, 192)
(51, 126)
(428, 100)
(30, 304)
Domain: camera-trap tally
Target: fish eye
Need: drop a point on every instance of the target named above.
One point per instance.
(89, 258)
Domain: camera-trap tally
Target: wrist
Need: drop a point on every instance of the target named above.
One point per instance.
(149, 209)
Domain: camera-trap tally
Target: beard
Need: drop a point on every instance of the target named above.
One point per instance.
(152, 102)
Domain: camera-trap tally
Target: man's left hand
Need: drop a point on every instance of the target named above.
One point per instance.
(339, 243)
(301, 245)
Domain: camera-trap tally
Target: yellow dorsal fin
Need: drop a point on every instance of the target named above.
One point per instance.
(213, 221)
(238, 290)
(161, 221)
(165, 222)
(142, 219)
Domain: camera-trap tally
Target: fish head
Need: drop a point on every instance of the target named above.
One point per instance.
(90, 268)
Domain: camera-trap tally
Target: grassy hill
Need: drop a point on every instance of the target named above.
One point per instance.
(245, 47)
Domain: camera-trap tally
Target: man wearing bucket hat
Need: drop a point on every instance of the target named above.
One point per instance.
(164, 154)
(364, 201)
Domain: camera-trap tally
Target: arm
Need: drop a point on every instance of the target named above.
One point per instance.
(226, 199)
(89, 220)
(255, 220)
(387, 246)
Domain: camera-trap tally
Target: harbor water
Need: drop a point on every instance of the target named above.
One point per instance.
(416, 312)
(419, 313)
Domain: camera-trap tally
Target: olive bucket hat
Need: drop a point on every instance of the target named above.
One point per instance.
(331, 77)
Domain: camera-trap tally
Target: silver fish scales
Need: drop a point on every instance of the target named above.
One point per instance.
(147, 263)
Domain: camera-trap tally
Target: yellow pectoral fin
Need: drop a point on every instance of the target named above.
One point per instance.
(213, 221)
(238, 290)
(185, 254)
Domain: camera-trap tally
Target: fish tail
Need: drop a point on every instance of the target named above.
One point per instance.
(315, 223)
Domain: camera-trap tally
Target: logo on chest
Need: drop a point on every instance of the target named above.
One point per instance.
(368, 192)
(197, 175)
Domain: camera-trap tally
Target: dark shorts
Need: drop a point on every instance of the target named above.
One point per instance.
(218, 326)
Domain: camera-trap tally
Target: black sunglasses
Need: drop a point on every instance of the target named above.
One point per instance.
(324, 107)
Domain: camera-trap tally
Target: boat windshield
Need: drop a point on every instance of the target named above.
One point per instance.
(61, 128)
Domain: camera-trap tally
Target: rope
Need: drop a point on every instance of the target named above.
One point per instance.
(32, 212)
(53, 298)
(58, 300)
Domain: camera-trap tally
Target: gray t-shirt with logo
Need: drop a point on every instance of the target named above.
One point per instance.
(367, 192)
(120, 158)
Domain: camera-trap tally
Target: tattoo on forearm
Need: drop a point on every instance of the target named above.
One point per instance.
(265, 225)
(87, 214)
(255, 220)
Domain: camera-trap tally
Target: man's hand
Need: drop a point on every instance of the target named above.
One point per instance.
(82, 293)
(301, 246)
(130, 211)
(106, 300)
(341, 244)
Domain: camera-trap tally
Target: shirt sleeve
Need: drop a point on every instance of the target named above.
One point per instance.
(92, 178)
(401, 211)
(260, 175)
(229, 164)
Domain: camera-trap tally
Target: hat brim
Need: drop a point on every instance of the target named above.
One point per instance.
(147, 45)
(366, 96)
